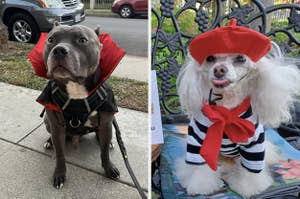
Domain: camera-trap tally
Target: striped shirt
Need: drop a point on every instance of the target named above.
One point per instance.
(251, 153)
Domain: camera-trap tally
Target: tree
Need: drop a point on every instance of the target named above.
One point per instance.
(3, 34)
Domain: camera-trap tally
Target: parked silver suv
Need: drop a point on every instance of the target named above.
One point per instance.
(25, 19)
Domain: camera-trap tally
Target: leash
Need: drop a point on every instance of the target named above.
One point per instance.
(125, 158)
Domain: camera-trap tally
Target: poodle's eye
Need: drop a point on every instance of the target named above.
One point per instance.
(240, 59)
(82, 40)
(210, 59)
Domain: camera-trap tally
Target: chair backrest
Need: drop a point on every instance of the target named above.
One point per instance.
(176, 22)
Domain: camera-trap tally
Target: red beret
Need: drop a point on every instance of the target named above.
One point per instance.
(230, 39)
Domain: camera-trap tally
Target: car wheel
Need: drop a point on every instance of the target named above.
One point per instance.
(126, 11)
(22, 28)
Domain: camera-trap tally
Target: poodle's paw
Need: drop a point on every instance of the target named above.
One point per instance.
(240, 180)
(198, 179)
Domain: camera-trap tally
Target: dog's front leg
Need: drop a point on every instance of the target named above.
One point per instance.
(104, 134)
(247, 183)
(58, 136)
(197, 179)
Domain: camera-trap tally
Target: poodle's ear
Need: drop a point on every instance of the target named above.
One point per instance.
(190, 87)
(276, 91)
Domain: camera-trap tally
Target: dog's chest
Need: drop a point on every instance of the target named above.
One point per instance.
(77, 91)
(81, 114)
(201, 124)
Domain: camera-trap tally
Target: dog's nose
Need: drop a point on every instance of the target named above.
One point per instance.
(60, 52)
(220, 71)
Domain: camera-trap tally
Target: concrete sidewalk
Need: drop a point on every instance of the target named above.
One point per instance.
(133, 67)
(26, 168)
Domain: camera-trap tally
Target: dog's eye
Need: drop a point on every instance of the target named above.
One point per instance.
(210, 59)
(240, 59)
(50, 40)
(82, 40)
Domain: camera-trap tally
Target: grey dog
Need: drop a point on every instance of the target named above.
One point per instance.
(72, 56)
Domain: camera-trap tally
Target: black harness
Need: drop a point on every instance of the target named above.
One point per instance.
(77, 111)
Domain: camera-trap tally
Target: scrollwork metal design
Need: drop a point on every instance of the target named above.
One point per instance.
(170, 38)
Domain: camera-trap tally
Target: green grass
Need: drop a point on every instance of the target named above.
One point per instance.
(98, 11)
(16, 69)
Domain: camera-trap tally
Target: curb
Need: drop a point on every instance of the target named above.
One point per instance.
(112, 15)
(109, 15)
(137, 57)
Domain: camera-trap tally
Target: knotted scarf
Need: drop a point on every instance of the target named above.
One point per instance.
(224, 121)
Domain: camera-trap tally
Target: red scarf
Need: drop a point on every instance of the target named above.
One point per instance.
(228, 122)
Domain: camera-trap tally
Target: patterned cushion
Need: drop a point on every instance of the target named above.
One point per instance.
(286, 173)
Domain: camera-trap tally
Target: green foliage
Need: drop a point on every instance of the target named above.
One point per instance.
(188, 26)
(185, 21)
(282, 37)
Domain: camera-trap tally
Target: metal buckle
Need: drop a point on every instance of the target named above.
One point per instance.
(74, 126)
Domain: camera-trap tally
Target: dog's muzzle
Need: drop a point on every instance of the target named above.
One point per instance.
(60, 52)
(220, 71)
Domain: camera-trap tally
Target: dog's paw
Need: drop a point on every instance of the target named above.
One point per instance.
(111, 171)
(240, 179)
(48, 145)
(58, 181)
(204, 186)
(198, 179)
(111, 146)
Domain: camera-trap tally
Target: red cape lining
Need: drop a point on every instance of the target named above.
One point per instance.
(110, 56)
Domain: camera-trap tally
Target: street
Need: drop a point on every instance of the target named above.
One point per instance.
(130, 34)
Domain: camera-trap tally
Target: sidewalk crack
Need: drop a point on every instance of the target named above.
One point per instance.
(25, 136)
(130, 184)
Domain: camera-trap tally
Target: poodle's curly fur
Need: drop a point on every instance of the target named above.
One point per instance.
(273, 87)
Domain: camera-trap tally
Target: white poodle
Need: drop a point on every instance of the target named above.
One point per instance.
(229, 80)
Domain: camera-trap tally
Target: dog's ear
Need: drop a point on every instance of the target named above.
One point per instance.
(55, 24)
(97, 30)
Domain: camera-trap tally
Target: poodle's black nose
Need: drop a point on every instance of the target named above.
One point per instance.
(220, 71)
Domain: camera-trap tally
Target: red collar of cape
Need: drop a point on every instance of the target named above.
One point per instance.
(110, 56)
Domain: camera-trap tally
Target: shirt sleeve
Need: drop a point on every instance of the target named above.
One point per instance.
(253, 153)
(194, 144)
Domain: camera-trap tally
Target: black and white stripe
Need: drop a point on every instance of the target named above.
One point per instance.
(251, 153)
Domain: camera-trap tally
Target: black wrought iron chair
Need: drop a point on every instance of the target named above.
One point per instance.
(175, 24)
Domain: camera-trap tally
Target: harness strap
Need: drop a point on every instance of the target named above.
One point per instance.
(77, 111)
